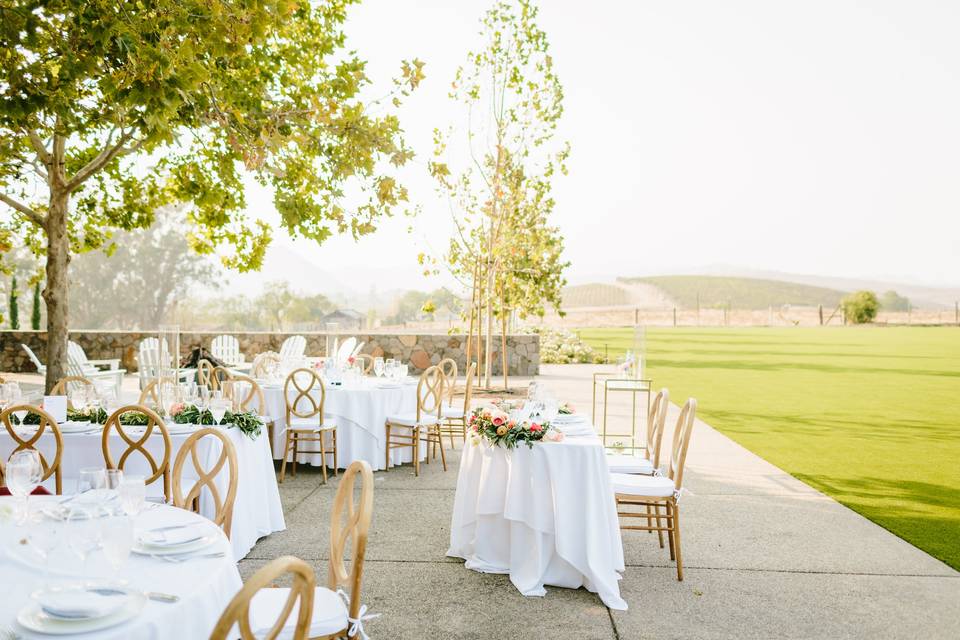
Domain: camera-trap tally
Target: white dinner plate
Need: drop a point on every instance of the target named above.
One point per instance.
(33, 618)
(77, 427)
(146, 549)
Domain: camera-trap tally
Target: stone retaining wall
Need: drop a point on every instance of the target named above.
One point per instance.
(420, 350)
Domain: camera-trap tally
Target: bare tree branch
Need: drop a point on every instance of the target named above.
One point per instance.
(32, 215)
(38, 146)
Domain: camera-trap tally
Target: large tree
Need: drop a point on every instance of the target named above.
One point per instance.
(504, 247)
(111, 108)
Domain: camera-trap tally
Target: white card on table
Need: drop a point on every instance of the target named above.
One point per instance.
(56, 406)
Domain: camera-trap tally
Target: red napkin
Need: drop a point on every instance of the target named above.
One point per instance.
(39, 491)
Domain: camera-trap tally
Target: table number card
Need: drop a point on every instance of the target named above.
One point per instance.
(56, 406)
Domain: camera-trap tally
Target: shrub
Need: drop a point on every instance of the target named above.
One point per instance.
(562, 347)
(893, 301)
(860, 307)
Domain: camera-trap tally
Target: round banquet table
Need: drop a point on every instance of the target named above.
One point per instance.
(257, 510)
(544, 515)
(205, 585)
(359, 411)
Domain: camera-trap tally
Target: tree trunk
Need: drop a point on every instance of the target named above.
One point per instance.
(56, 288)
(503, 343)
(488, 355)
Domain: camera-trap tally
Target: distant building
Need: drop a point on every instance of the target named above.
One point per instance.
(348, 319)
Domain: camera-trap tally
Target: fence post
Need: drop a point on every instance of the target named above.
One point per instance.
(820, 312)
(698, 308)
(636, 316)
(674, 316)
(956, 313)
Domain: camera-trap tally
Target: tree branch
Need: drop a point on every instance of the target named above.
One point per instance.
(37, 142)
(31, 215)
(103, 158)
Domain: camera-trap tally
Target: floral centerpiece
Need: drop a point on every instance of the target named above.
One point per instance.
(247, 421)
(497, 427)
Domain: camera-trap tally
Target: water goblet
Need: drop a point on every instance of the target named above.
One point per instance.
(133, 494)
(91, 479)
(116, 541)
(23, 474)
(378, 367)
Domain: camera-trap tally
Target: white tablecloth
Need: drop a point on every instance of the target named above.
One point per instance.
(545, 515)
(257, 511)
(205, 585)
(359, 413)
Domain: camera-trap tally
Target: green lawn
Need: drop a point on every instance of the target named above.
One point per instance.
(868, 415)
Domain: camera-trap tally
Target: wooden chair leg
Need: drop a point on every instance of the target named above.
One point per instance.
(416, 452)
(676, 541)
(386, 463)
(671, 523)
(443, 456)
(659, 525)
(296, 453)
(286, 452)
(323, 459)
(335, 464)
(270, 436)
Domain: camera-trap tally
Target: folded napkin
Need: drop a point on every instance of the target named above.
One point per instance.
(570, 418)
(80, 603)
(166, 537)
(576, 429)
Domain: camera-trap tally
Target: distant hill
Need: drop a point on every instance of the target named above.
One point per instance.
(713, 291)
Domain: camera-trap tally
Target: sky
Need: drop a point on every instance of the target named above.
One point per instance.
(817, 137)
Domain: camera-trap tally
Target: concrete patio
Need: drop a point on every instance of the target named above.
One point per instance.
(766, 556)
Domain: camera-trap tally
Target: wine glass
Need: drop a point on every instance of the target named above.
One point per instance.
(218, 408)
(133, 494)
(84, 535)
(203, 400)
(378, 367)
(113, 479)
(23, 474)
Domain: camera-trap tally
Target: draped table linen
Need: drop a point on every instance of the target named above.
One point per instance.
(544, 515)
(205, 585)
(257, 511)
(359, 412)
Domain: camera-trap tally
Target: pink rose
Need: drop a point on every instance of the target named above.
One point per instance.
(535, 427)
(177, 409)
(553, 436)
(497, 421)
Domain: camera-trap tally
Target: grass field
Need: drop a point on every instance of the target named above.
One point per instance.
(868, 415)
(739, 293)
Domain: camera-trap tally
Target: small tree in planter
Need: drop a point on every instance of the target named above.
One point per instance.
(14, 305)
(35, 313)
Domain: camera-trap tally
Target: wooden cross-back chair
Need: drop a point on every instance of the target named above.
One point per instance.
(262, 362)
(211, 375)
(448, 367)
(206, 478)
(252, 399)
(306, 424)
(67, 384)
(656, 492)
(284, 625)
(455, 416)
(138, 443)
(332, 616)
(47, 424)
(150, 396)
(424, 425)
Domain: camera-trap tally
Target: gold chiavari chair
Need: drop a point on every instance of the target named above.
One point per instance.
(424, 425)
(252, 400)
(135, 442)
(150, 396)
(649, 462)
(47, 423)
(291, 619)
(455, 417)
(206, 374)
(68, 383)
(223, 515)
(306, 425)
(449, 369)
(332, 616)
(659, 491)
(366, 360)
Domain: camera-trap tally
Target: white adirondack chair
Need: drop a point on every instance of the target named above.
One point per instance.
(111, 364)
(77, 368)
(227, 350)
(41, 369)
(293, 347)
(152, 358)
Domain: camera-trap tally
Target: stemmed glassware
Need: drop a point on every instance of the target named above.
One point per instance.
(91, 479)
(116, 541)
(218, 407)
(23, 474)
(133, 493)
(378, 367)
(203, 400)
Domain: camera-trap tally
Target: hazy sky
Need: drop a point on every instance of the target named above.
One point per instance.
(814, 137)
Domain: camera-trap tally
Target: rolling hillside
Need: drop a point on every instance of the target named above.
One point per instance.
(713, 291)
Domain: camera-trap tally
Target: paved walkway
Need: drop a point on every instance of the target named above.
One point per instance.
(766, 556)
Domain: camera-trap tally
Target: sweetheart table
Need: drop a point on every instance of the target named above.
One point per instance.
(204, 585)
(257, 511)
(544, 515)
